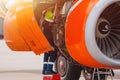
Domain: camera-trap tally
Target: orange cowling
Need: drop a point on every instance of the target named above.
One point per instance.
(75, 34)
(85, 20)
(21, 31)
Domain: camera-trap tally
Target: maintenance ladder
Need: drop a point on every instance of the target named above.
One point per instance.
(97, 72)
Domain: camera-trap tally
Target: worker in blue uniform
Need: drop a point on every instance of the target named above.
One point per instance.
(49, 57)
(50, 18)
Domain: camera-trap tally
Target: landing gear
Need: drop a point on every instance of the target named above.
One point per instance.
(65, 65)
(67, 69)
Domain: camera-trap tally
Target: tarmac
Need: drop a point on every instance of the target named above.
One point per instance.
(24, 65)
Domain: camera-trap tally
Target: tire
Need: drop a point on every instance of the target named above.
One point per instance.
(67, 69)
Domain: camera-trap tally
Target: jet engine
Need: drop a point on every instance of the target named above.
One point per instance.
(93, 32)
(21, 31)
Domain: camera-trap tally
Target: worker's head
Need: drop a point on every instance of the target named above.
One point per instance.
(49, 15)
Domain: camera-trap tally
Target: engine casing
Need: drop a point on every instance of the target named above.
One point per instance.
(88, 22)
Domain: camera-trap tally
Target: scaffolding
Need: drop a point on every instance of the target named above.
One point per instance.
(98, 72)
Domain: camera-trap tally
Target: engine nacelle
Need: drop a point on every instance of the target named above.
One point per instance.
(93, 33)
(21, 31)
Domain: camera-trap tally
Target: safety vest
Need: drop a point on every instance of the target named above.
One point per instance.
(49, 15)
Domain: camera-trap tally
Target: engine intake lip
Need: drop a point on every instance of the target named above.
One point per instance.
(108, 31)
(98, 28)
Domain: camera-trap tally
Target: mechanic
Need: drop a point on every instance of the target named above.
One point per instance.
(49, 57)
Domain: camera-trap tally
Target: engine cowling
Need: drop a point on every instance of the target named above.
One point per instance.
(93, 33)
(88, 27)
(21, 31)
